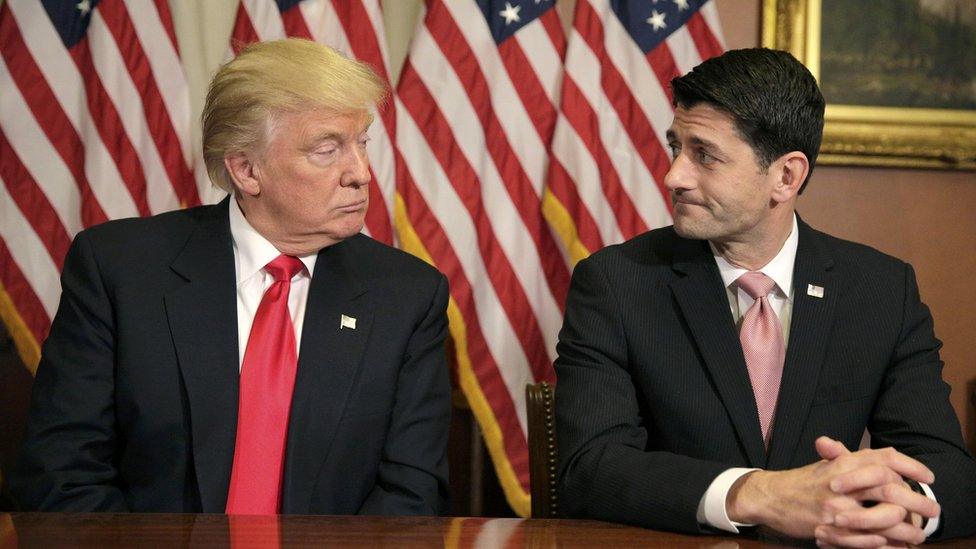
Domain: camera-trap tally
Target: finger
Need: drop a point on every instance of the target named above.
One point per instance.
(905, 466)
(841, 537)
(834, 506)
(903, 496)
(862, 478)
(903, 532)
(829, 448)
(879, 517)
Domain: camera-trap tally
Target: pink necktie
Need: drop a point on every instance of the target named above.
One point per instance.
(267, 381)
(762, 344)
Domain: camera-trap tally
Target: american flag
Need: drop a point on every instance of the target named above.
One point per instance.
(94, 125)
(476, 103)
(354, 27)
(610, 151)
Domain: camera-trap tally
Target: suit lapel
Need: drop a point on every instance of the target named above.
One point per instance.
(202, 317)
(328, 362)
(809, 328)
(705, 306)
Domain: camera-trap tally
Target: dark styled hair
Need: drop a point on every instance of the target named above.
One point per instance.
(772, 97)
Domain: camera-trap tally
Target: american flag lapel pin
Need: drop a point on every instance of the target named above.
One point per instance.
(347, 322)
(815, 291)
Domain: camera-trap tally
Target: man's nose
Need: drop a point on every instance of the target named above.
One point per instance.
(677, 177)
(357, 170)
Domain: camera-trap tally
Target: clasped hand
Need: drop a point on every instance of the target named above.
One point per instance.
(829, 499)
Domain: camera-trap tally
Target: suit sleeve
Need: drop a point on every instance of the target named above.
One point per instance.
(68, 459)
(605, 471)
(914, 415)
(412, 477)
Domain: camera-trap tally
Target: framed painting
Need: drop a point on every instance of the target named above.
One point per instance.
(899, 77)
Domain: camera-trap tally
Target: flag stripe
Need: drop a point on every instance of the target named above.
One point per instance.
(167, 69)
(581, 116)
(109, 126)
(25, 193)
(165, 19)
(708, 43)
(294, 24)
(107, 60)
(684, 53)
(586, 229)
(244, 32)
(616, 108)
(126, 48)
(507, 133)
(27, 140)
(266, 19)
(619, 59)
(32, 260)
(88, 132)
(468, 188)
(480, 90)
(70, 89)
(462, 241)
(46, 109)
(367, 44)
(494, 384)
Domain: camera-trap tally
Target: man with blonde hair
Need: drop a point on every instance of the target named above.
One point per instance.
(258, 356)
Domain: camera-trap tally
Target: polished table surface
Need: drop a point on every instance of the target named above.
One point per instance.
(161, 530)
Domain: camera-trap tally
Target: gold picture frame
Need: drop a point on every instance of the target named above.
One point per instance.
(871, 135)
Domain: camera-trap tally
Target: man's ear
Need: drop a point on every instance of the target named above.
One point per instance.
(791, 170)
(243, 173)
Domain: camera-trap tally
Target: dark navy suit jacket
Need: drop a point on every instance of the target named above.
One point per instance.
(653, 398)
(136, 397)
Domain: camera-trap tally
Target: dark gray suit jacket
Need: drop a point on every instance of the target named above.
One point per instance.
(135, 403)
(653, 398)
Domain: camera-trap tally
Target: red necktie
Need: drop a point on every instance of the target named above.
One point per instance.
(267, 381)
(762, 345)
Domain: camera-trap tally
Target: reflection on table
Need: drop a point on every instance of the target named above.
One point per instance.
(170, 530)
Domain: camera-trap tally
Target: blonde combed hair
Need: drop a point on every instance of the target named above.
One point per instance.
(267, 79)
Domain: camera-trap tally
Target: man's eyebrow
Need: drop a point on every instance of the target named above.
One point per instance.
(694, 140)
(324, 136)
(703, 143)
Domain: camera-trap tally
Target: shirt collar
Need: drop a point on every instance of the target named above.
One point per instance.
(253, 251)
(780, 268)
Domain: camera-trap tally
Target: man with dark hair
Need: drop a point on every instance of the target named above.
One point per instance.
(720, 373)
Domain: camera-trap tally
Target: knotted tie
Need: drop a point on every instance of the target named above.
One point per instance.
(267, 381)
(762, 344)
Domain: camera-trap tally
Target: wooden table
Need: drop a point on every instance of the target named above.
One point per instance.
(162, 530)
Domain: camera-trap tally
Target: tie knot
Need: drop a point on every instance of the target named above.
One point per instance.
(756, 284)
(284, 267)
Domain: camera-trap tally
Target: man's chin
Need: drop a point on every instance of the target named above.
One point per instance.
(348, 230)
(690, 230)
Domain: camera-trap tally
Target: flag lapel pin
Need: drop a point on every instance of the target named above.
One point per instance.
(815, 291)
(347, 322)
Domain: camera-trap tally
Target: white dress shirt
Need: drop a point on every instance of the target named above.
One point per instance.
(711, 508)
(251, 253)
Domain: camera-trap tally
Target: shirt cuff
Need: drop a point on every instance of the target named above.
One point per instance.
(711, 507)
(933, 524)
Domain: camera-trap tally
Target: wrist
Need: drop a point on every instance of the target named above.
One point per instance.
(741, 503)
